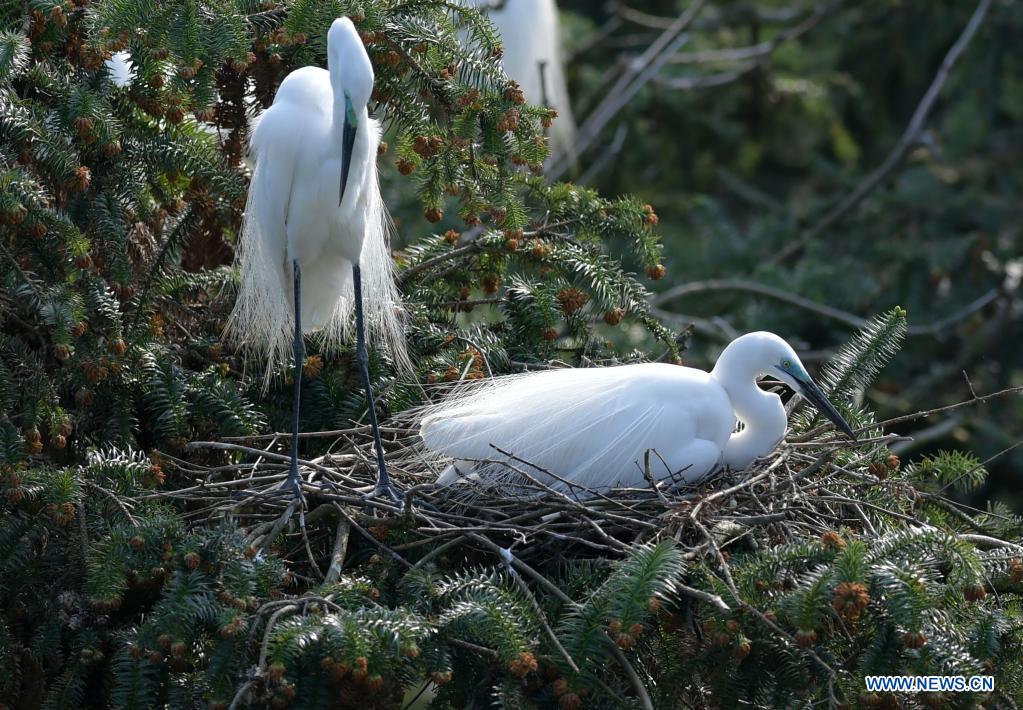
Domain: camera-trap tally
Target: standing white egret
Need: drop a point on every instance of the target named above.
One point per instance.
(592, 426)
(315, 230)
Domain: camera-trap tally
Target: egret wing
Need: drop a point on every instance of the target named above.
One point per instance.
(262, 320)
(588, 426)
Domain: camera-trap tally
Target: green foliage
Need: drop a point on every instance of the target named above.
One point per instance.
(854, 367)
(947, 469)
(125, 203)
(856, 364)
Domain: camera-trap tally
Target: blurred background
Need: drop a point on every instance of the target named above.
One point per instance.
(812, 164)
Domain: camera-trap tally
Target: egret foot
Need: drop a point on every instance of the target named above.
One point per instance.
(386, 491)
(293, 485)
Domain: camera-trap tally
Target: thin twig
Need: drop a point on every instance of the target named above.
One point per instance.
(635, 76)
(778, 294)
(908, 139)
(337, 555)
(634, 678)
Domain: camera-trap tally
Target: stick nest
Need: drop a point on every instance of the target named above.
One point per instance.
(805, 487)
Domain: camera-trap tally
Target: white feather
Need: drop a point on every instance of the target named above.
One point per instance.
(120, 67)
(588, 426)
(592, 427)
(292, 213)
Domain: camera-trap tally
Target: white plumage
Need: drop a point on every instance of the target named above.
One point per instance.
(313, 248)
(593, 426)
(120, 67)
(293, 214)
(531, 37)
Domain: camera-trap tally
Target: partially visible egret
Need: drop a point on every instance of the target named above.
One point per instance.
(315, 230)
(531, 39)
(592, 426)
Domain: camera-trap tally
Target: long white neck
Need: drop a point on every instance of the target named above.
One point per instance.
(761, 413)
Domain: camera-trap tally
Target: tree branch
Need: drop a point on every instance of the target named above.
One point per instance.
(636, 75)
(908, 139)
(778, 294)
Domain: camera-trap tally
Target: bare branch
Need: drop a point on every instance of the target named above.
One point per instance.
(635, 76)
(908, 139)
(779, 294)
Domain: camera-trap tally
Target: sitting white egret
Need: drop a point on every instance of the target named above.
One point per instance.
(315, 225)
(592, 426)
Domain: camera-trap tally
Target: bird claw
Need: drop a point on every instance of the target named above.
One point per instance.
(386, 491)
(294, 486)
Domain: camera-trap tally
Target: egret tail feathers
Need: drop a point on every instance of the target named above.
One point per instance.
(559, 426)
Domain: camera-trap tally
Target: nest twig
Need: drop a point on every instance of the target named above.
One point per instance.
(528, 517)
(800, 489)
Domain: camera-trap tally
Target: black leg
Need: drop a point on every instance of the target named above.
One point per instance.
(293, 479)
(383, 487)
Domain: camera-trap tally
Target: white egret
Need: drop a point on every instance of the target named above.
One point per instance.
(315, 229)
(531, 38)
(592, 426)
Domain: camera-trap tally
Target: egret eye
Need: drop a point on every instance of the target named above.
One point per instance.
(786, 364)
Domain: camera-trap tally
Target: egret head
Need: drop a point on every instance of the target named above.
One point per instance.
(351, 76)
(770, 355)
(351, 71)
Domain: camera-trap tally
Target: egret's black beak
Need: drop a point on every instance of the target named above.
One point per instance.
(347, 145)
(809, 389)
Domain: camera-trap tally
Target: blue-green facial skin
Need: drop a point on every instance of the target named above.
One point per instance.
(793, 370)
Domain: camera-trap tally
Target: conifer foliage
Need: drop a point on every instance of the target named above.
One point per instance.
(129, 579)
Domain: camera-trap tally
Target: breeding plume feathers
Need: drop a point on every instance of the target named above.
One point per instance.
(590, 426)
(262, 321)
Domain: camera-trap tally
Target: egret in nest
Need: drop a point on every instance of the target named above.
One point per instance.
(315, 234)
(591, 427)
